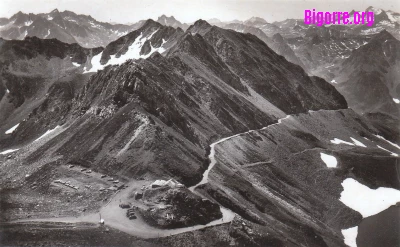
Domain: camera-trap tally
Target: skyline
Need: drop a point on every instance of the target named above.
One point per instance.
(124, 11)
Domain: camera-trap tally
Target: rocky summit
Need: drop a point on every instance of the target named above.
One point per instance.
(162, 133)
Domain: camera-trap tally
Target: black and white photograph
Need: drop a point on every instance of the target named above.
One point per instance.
(199, 123)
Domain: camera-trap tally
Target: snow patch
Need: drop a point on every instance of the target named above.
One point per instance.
(48, 33)
(329, 160)
(48, 132)
(96, 65)
(391, 143)
(12, 129)
(339, 141)
(9, 151)
(132, 53)
(358, 143)
(367, 201)
(333, 81)
(350, 236)
(391, 153)
(134, 136)
(28, 23)
(397, 101)
(355, 142)
(76, 64)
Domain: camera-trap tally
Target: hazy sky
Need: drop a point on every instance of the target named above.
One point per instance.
(124, 11)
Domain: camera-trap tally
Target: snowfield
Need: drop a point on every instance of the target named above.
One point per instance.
(391, 143)
(12, 129)
(8, 151)
(48, 132)
(367, 201)
(391, 153)
(329, 160)
(358, 143)
(355, 142)
(132, 53)
(339, 141)
(350, 236)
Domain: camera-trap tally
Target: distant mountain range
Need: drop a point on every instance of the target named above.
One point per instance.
(65, 26)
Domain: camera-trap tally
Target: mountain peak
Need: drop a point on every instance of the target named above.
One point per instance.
(150, 23)
(165, 19)
(201, 23)
(55, 11)
(256, 21)
(200, 26)
(169, 21)
(214, 20)
(375, 10)
(19, 14)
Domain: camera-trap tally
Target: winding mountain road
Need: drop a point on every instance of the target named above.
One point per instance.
(114, 217)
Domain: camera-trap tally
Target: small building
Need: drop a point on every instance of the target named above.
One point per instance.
(138, 195)
(124, 205)
(172, 183)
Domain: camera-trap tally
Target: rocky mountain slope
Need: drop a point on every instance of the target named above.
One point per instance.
(375, 67)
(31, 69)
(369, 81)
(277, 43)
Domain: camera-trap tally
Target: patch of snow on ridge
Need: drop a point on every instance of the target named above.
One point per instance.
(391, 143)
(397, 101)
(350, 236)
(391, 153)
(12, 129)
(48, 33)
(76, 64)
(329, 160)
(28, 23)
(96, 65)
(333, 81)
(48, 132)
(160, 49)
(358, 143)
(355, 142)
(9, 151)
(133, 52)
(339, 141)
(367, 201)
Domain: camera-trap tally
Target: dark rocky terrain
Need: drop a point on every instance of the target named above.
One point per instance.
(178, 208)
(96, 125)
